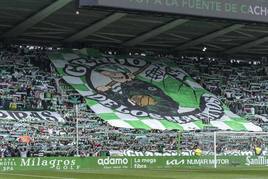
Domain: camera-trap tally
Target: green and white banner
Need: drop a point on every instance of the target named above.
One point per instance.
(145, 93)
(31, 116)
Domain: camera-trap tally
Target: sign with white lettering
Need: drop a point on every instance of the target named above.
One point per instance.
(149, 162)
(247, 10)
(31, 116)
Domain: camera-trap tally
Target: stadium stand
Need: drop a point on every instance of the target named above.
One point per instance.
(29, 82)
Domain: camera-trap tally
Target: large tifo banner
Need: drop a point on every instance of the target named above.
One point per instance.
(93, 163)
(145, 93)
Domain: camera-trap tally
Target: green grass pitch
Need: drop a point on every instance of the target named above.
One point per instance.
(235, 173)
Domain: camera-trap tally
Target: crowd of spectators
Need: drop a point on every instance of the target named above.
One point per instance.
(240, 84)
(24, 86)
(29, 82)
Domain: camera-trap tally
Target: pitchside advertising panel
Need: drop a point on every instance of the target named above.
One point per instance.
(92, 163)
(248, 10)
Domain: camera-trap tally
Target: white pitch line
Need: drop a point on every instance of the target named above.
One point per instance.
(37, 176)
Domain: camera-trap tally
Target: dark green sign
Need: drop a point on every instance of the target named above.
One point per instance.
(248, 10)
(93, 163)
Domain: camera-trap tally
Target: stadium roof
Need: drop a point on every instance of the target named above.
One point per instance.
(57, 23)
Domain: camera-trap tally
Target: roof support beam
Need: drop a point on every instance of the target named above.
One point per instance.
(247, 45)
(155, 32)
(208, 37)
(95, 27)
(36, 18)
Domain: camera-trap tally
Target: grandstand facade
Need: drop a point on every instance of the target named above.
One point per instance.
(102, 82)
